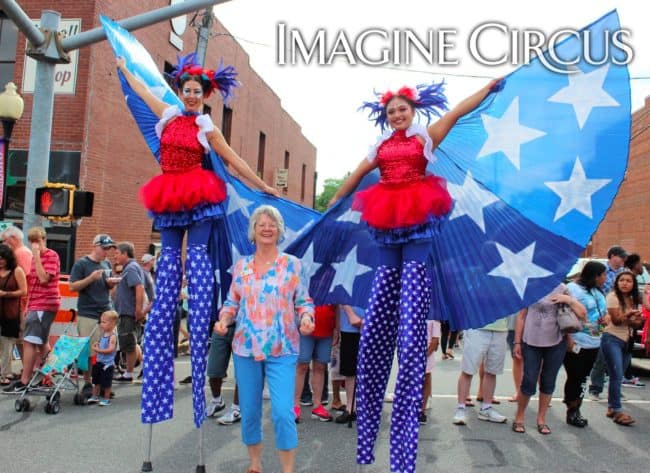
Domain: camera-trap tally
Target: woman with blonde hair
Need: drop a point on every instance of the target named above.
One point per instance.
(270, 304)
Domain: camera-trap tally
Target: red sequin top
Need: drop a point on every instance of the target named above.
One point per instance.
(405, 196)
(183, 186)
(401, 159)
(179, 149)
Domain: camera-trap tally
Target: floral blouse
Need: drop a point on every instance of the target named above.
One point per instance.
(268, 307)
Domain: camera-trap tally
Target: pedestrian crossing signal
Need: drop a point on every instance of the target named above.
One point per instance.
(63, 202)
(53, 202)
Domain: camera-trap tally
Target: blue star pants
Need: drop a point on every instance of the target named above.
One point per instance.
(158, 382)
(399, 304)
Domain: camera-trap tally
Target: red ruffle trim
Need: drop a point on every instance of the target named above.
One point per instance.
(387, 206)
(176, 192)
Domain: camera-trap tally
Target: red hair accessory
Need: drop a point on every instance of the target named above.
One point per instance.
(409, 93)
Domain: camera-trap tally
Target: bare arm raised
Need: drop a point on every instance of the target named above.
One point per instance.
(156, 105)
(439, 130)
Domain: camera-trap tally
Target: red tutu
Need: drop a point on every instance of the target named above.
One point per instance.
(182, 191)
(386, 206)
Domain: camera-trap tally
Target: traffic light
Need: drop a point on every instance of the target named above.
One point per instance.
(63, 202)
(53, 201)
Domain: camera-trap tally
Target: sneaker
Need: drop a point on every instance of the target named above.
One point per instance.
(92, 400)
(230, 417)
(632, 383)
(491, 415)
(345, 417)
(123, 379)
(15, 387)
(321, 414)
(594, 397)
(423, 418)
(459, 416)
(105, 402)
(214, 406)
(296, 413)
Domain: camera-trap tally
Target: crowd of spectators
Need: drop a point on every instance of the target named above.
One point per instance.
(276, 337)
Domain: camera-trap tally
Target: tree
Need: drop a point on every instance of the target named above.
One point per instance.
(330, 187)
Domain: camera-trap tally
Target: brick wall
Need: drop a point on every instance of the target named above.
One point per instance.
(627, 223)
(115, 161)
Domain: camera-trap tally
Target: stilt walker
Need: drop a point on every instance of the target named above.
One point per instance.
(184, 199)
(402, 211)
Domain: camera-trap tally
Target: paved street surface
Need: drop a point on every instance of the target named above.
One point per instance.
(110, 439)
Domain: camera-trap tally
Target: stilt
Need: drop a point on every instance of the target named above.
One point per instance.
(146, 464)
(200, 467)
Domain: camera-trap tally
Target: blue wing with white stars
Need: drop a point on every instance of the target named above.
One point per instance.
(532, 172)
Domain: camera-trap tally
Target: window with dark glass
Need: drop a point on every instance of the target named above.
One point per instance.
(226, 123)
(8, 41)
(260, 155)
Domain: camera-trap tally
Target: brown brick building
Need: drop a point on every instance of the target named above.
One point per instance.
(627, 223)
(95, 141)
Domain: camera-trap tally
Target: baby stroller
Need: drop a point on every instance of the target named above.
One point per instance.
(58, 373)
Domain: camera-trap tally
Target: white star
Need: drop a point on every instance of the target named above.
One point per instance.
(470, 199)
(350, 216)
(506, 134)
(576, 193)
(347, 271)
(291, 235)
(518, 267)
(584, 92)
(310, 266)
(235, 202)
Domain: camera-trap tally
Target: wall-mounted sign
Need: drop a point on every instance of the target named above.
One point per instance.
(282, 178)
(179, 24)
(65, 75)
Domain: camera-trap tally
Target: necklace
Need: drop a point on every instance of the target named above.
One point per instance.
(264, 262)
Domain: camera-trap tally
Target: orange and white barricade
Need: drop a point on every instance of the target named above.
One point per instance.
(66, 317)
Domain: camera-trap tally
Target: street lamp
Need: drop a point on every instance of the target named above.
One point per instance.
(11, 109)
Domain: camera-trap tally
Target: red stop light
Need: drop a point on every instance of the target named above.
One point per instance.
(52, 202)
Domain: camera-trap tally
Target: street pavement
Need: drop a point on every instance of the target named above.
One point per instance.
(96, 439)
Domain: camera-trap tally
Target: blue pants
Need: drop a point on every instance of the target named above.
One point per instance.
(545, 359)
(614, 350)
(280, 374)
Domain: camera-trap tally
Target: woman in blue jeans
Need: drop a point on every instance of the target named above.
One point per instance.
(623, 307)
(542, 346)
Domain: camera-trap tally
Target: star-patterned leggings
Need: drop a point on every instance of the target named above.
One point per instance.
(397, 311)
(158, 383)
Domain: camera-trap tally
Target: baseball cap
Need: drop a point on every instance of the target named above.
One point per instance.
(147, 258)
(104, 241)
(616, 251)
